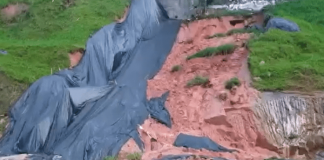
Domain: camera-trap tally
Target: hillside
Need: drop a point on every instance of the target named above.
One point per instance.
(291, 61)
(207, 56)
(38, 40)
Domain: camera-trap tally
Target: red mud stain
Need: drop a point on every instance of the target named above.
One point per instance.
(13, 10)
(199, 111)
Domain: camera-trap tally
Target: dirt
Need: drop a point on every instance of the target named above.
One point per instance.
(12, 10)
(223, 115)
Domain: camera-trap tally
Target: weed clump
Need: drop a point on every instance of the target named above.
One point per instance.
(216, 35)
(134, 156)
(198, 80)
(110, 158)
(232, 82)
(176, 68)
(243, 30)
(211, 51)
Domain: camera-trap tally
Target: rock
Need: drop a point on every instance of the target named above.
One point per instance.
(233, 90)
(3, 51)
(215, 113)
(257, 78)
(283, 24)
(292, 120)
(223, 96)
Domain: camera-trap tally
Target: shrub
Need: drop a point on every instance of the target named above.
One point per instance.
(198, 80)
(216, 35)
(176, 68)
(134, 156)
(211, 51)
(232, 82)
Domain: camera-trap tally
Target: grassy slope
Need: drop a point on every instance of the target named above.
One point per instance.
(39, 40)
(293, 61)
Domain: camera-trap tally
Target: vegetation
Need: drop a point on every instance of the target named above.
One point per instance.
(243, 30)
(134, 156)
(211, 51)
(216, 35)
(235, 31)
(110, 158)
(198, 80)
(292, 60)
(38, 40)
(176, 68)
(232, 82)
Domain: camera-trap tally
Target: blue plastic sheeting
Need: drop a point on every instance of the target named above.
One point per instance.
(3, 51)
(92, 110)
(283, 24)
(189, 141)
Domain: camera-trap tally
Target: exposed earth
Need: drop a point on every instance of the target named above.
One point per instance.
(223, 115)
(12, 10)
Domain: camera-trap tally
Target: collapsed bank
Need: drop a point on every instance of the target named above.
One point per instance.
(192, 68)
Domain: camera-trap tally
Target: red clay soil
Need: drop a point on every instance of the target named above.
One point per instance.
(13, 10)
(222, 115)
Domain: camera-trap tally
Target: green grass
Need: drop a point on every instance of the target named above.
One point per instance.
(232, 82)
(198, 80)
(134, 156)
(176, 68)
(110, 158)
(293, 61)
(216, 35)
(39, 39)
(211, 51)
(235, 31)
(243, 30)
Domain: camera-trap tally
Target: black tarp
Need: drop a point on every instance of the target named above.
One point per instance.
(92, 110)
(190, 141)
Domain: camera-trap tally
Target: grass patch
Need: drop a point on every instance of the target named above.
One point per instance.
(198, 80)
(232, 82)
(243, 30)
(211, 51)
(235, 31)
(110, 158)
(293, 60)
(176, 68)
(38, 40)
(216, 35)
(134, 156)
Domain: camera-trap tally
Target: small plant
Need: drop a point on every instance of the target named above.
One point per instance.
(134, 156)
(110, 158)
(210, 51)
(242, 30)
(198, 80)
(176, 68)
(216, 35)
(232, 82)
